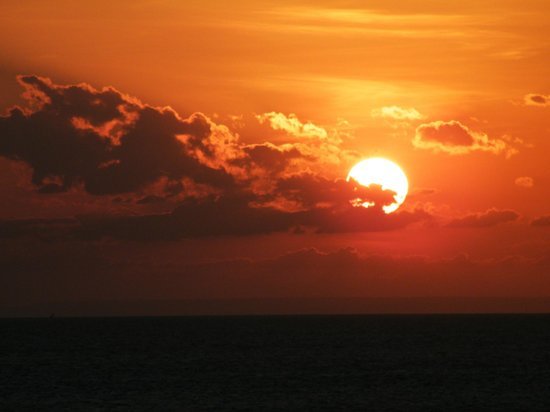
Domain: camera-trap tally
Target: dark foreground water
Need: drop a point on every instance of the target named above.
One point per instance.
(438, 362)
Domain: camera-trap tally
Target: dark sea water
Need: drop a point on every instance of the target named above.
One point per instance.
(317, 363)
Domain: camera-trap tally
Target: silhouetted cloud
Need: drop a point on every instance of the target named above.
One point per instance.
(234, 215)
(541, 221)
(534, 99)
(310, 191)
(269, 157)
(491, 217)
(96, 273)
(109, 142)
(42, 229)
(150, 199)
(112, 144)
(227, 216)
(456, 139)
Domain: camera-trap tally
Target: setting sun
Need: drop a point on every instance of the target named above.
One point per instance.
(384, 173)
(239, 177)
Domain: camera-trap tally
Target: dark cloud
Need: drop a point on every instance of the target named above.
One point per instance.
(112, 144)
(451, 133)
(491, 217)
(534, 99)
(268, 156)
(108, 142)
(51, 188)
(211, 216)
(214, 216)
(345, 272)
(81, 101)
(150, 199)
(96, 273)
(541, 221)
(234, 216)
(311, 190)
(454, 138)
(359, 219)
(42, 229)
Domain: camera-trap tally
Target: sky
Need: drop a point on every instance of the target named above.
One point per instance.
(165, 151)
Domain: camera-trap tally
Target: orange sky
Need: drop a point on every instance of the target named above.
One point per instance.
(456, 93)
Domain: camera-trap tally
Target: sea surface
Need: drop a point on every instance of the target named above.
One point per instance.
(302, 363)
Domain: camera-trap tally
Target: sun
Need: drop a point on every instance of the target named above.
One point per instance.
(384, 173)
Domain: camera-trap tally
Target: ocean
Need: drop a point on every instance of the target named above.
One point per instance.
(302, 363)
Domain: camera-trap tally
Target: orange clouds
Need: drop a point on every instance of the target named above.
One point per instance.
(525, 181)
(223, 186)
(110, 143)
(454, 138)
(397, 113)
(292, 125)
(249, 159)
(321, 148)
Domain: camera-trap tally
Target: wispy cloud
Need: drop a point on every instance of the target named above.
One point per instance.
(397, 113)
(491, 217)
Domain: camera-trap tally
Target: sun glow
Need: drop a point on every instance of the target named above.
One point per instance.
(384, 173)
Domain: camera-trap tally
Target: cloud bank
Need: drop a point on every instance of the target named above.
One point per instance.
(491, 217)
(106, 143)
(94, 275)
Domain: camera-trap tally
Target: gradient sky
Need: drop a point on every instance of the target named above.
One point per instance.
(154, 150)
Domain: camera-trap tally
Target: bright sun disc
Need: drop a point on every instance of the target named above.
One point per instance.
(382, 172)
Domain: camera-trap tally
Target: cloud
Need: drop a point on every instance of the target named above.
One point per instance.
(292, 125)
(525, 181)
(312, 191)
(42, 229)
(541, 221)
(150, 199)
(533, 99)
(345, 272)
(108, 143)
(419, 192)
(457, 139)
(322, 149)
(239, 217)
(268, 157)
(397, 113)
(491, 217)
(96, 273)
(104, 140)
